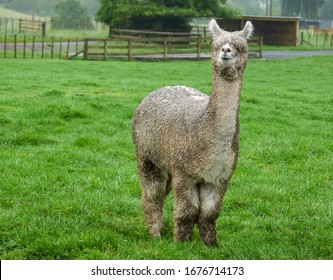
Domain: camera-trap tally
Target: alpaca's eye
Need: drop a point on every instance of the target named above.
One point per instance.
(240, 48)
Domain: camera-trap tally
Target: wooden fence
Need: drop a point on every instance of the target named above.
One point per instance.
(134, 47)
(255, 46)
(35, 47)
(184, 46)
(32, 26)
(72, 24)
(318, 37)
(150, 45)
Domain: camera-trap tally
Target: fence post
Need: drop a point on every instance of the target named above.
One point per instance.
(205, 33)
(24, 45)
(165, 49)
(302, 38)
(60, 48)
(5, 46)
(325, 39)
(332, 40)
(33, 47)
(15, 46)
(85, 49)
(43, 28)
(77, 45)
(105, 49)
(129, 49)
(68, 45)
(43, 47)
(198, 47)
(52, 47)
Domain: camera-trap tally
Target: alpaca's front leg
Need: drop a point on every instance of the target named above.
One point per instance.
(210, 206)
(186, 207)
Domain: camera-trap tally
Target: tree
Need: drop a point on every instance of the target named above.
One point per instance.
(44, 7)
(327, 10)
(305, 8)
(71, 12)
(167, 15)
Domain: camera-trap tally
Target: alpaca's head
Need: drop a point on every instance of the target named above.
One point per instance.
(229, 50)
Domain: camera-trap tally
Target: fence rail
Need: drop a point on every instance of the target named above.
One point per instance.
(186, 46)
(318, 37)
(142, 33)
(34, 26)
(130, 47)
(153, 45)
(23, 46)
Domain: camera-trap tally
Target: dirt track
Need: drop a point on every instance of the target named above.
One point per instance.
(291, 54)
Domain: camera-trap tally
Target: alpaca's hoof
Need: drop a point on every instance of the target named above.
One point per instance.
(154, 231)
(211, 243)
(183, 237)
(157, 236)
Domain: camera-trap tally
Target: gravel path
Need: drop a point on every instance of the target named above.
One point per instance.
(268, 55)
(291, 54)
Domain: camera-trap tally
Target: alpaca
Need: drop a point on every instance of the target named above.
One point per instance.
(188, 142)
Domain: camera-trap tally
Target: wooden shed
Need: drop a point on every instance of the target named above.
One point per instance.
(277, 31)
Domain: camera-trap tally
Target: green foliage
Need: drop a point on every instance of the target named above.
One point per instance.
(70, 11)
(69, 187)
(327, 10)
(44, 7)
(156, 15)
(308, 9)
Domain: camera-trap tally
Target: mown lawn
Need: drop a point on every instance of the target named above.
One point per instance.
(68, 182)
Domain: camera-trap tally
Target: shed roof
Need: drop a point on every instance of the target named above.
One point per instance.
(265, 18)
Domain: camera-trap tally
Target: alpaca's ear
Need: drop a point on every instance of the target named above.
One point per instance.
(214, 29)
(247, 30)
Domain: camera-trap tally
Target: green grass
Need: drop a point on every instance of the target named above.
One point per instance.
(8, 13)
(69, 188)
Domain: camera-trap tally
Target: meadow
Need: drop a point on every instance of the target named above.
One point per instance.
(69, 187)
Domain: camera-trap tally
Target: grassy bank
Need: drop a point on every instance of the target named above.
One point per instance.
(68, 182)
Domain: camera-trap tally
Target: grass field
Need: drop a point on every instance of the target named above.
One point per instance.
(7, 13)
(69, 188)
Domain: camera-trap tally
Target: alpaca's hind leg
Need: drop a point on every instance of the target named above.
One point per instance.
(210, 206)
(154, 191)
(186, 207)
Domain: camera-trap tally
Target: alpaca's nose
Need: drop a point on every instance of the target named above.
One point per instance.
(226, 48)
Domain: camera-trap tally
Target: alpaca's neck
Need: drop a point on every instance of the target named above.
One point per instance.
(223, 107)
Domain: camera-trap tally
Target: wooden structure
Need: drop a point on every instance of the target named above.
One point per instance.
(278, 31)
(312, 30)
(23, 46)
(154, 45)
(129, 47)
(255, 47)
(150, 34)
(33, 26)
(320, 37)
